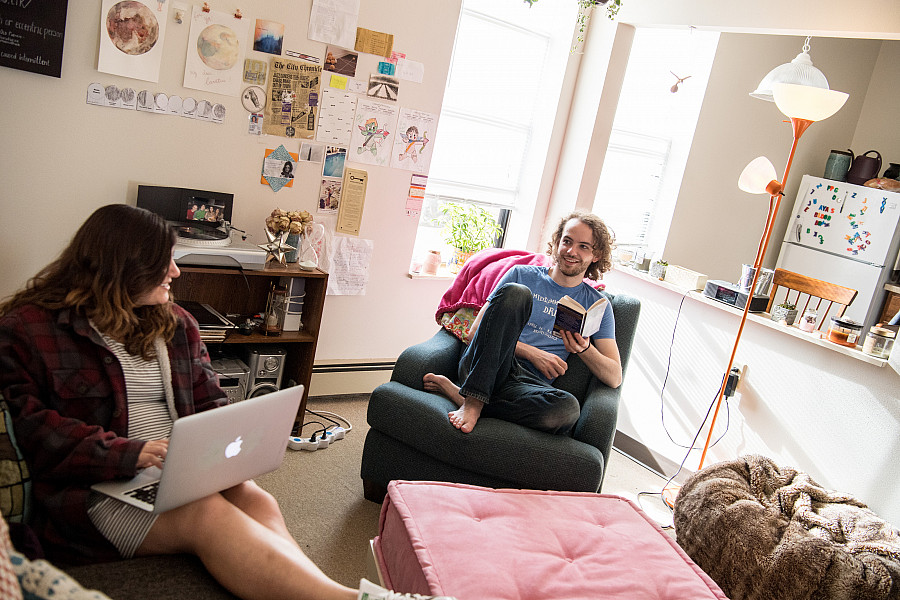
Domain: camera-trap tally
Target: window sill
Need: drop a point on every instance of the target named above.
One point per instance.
(442, 275)
(759, 318)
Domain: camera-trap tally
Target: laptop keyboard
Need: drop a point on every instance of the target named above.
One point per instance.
(145, 493)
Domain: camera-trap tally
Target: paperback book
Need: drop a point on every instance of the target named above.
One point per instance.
(572, 316)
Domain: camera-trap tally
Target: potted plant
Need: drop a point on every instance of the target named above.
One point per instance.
(786, 311)
(658, 269)
(468, 228)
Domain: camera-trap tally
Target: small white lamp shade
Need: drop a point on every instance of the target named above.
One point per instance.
(805, 102)
(799, 71)
(757, 176)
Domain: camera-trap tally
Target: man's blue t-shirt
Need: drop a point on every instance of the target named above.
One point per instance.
(546, 293)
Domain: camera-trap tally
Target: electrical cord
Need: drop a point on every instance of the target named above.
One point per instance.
(324, 414)
(662, 401)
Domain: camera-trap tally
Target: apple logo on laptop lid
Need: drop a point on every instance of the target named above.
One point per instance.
(234, 448)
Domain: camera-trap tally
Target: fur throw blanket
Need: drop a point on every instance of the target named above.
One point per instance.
(767, 532)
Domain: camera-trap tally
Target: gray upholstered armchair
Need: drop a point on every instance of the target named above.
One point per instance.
(411, 438)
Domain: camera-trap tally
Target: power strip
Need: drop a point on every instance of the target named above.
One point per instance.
(312, 443)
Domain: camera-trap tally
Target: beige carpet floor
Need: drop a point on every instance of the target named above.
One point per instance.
(322, 499)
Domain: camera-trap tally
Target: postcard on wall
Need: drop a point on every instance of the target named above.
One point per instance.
(215, 54)
(410, 70)
(255, 71)
(288, 112)
(334, 22)
(132, 35)
(336, 111)
(340, 60)
(329, 196)
(349, 217)
(384, 87)
(412, 149)
(268, 37)
(372, 134)
(31, 36)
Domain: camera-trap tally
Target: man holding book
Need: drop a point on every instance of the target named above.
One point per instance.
(513, 357)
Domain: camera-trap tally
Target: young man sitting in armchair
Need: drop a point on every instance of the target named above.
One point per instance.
(513, 357)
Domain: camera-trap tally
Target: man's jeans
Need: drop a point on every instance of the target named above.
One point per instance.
(489, 370)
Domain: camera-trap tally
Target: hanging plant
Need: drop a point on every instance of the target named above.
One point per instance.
(585, 8)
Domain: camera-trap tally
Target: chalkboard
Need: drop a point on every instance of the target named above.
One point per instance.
(31, 35)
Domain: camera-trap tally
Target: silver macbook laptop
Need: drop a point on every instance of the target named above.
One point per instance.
(214, 450)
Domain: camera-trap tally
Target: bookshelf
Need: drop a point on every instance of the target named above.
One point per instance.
(241, 292)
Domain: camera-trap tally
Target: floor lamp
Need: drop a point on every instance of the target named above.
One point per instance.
(804, 105)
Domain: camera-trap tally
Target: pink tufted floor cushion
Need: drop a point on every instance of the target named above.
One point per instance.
(478, 543)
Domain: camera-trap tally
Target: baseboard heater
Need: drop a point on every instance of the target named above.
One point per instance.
(353, 367)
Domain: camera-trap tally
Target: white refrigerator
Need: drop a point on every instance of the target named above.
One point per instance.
(845, 234)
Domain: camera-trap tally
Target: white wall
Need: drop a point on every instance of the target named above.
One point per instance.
(832, 416)
(63, 158)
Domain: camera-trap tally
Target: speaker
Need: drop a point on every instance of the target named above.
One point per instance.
(234, 377)
(266, 366)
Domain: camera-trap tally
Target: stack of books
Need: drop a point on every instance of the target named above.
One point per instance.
(213, 326)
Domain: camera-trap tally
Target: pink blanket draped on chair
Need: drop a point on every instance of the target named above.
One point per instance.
(475, 282)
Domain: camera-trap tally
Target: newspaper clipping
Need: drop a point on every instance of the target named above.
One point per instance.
(293, 99)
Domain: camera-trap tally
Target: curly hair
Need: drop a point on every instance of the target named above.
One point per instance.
(116, 255)
(604, 242)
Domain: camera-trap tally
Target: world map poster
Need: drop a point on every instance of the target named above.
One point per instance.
(215, 53)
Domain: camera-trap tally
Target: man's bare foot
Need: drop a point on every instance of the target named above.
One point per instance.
(465, 417)
(443, 386)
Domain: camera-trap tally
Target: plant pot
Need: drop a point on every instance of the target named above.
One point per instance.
(788, 315)
(657, 270)
(459, 259)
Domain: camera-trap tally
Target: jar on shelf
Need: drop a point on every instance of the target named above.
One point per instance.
(276, 309)
(809, 320)
(879, 342)
(432, 262)
(845, 332)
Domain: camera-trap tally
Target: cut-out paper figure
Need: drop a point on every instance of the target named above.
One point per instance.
(411, 137)
(374, 136)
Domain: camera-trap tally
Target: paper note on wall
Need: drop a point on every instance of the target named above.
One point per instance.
(352, 200)
(349, 270)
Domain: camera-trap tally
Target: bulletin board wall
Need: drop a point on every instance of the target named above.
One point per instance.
(63, 158)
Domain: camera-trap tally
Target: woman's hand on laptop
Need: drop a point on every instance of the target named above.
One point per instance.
(153, 454)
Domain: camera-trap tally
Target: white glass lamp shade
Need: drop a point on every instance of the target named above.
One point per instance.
(799, 71)
(757, 176)
(809, 103)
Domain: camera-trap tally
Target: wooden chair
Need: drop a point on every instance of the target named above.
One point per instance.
(816, 292)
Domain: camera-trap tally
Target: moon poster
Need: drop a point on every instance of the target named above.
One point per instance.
(131, 38)
(215, 54)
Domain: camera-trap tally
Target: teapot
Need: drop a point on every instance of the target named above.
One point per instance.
(864, 168)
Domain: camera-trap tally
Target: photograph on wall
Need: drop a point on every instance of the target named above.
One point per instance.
(268, 37)
(412, 149)
(384, 87)
(334, 161)
(311, 152)
(215, 53)
(288, 112)
(31, 36)
(371, 139)
(329, 196)
(340, 61)
(132, 35)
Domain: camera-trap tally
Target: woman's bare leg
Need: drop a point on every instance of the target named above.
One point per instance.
(250, 558)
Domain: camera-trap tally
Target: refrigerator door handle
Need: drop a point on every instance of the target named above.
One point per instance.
(797, 229)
